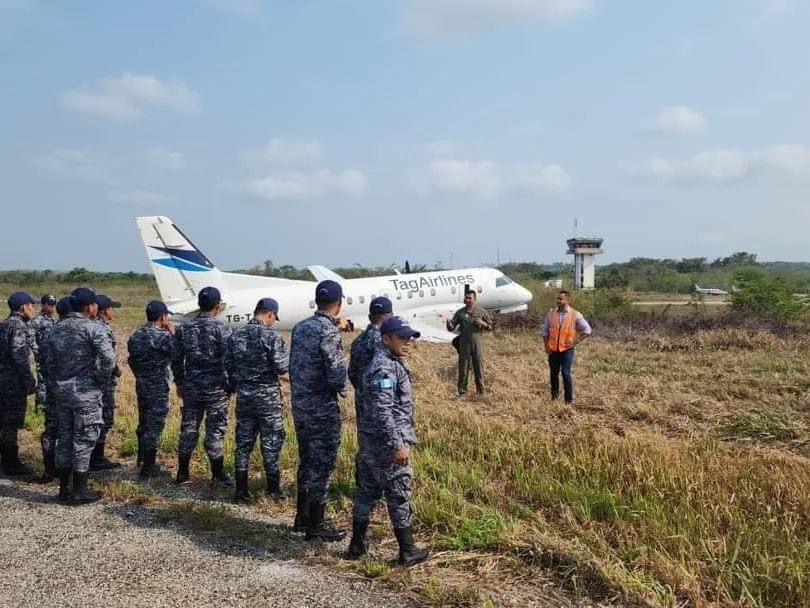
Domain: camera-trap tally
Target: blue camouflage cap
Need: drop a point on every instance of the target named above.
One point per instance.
(209, 297)
(105, 302)
(380, 306)
(18, 299)
(267, 304)
(328, 292)
(399, 327)
(64, 307)
(81, 297)
(156, 309)
(48, 299)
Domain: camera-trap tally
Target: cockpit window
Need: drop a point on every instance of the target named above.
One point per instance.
(502, 280)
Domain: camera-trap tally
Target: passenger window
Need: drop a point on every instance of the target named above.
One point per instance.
(311, 304)
(410, 295)
(399, 295)
(433, 292)
(386, 295)
(349, 301)
(421, 293)
(453, 290)
(480, 289)
(362, 299)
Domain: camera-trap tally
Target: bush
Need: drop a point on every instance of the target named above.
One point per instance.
(763, 295)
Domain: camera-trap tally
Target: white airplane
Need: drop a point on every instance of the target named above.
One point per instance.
(426, 299)
(709, 291)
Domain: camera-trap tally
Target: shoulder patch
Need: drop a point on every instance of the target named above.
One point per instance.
(385, 382)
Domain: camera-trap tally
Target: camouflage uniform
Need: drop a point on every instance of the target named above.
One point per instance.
(108, 390)
(150, 354)
(16, 382)
(256, 356)
(198, 364)
(80, 362)
(50, 432)
(317, 376)
(38, 327)
(385, 424)
(362, 352)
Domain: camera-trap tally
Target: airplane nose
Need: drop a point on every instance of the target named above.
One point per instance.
(526, 294)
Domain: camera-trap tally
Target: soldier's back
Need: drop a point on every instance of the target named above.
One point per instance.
(316, 353)
(203, 344)
(14, 334)
(150, 351)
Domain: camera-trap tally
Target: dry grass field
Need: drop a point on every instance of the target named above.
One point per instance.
(680, 478)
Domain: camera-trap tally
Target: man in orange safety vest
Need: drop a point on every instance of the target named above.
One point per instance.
(563, 329)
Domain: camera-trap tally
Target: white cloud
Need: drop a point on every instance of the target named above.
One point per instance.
(289, 153)
(72, 163)
(128, 96)
(541, 178)
(488, 179)
(140, 198)
(677, 120)
(728, 165)
(465, 17)
(305, 185)
(163, 159)
(711, 165)
(791, 158)
(288, 169)
(480, 178)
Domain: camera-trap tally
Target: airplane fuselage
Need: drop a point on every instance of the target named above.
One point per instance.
(426, 299)
(434, 295)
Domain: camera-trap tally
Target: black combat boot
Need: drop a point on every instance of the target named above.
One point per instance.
(81, 494)
(64, 486)
(409, 553)
(50, 472)
(99, 462)
(218, 473)
(301, 514)
(273, 485)
(242, 493)
(319, 528)
(147, 465)
(358, 547)
(11, 462)
(182, 468)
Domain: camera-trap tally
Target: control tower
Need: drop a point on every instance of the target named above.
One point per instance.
(584, 250)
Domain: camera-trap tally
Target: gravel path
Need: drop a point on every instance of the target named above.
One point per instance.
(106, 556)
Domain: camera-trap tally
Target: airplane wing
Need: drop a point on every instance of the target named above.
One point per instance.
(431, 321)
(322, 273)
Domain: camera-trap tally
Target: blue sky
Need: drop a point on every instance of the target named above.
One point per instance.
(341, 132)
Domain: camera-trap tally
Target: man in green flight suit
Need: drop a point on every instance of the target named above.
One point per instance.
(470, 321)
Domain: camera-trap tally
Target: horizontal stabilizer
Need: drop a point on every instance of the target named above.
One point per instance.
(322, 273)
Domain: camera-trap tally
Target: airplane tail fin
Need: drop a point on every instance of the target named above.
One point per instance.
(180, 268)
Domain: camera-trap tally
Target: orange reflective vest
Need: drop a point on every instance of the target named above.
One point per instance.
(561, 335)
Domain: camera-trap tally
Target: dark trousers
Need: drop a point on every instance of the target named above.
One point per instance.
(562, 362)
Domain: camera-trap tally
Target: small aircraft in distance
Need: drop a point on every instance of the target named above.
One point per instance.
(710, 291)
(426, 299)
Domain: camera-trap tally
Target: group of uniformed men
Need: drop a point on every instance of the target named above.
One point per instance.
(77, 378)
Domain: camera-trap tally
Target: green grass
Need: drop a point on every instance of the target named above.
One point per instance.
(765, 425)
(654, 490)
